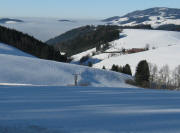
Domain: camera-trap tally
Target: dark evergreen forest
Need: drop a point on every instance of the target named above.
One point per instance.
(30, 45)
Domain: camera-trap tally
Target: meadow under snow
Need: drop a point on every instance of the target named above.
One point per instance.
(164, 47)
(55, 109)
(20, 68)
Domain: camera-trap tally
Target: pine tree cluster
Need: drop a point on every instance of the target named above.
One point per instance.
(125, 69)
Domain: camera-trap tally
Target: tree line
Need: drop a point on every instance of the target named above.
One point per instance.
(148, 75)
(30, 45)
(142, 75)
(122, 69)
(164, 77)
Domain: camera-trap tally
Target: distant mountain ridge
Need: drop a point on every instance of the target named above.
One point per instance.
(66, 20)
(9, 20)
(153, 16)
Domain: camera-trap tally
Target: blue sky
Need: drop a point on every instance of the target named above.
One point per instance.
(87, 9)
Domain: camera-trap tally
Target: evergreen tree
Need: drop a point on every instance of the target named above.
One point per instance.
(104, 68)
(114, 68)
(90, 64)
(127, 69)
(120, 69)
(142, 73)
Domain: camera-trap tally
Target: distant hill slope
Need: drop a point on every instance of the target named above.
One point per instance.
(154, 16)
(66, 20)
(29, 44)
(71, 35)
(84, 38)
(9, 20)
(21, 68)
(164, 49)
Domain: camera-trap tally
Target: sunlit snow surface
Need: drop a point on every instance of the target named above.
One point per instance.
(164, 49)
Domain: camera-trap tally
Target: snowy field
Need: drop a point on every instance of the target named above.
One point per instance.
(20, 68)
(34, 109)
(37, 96)
(47, 28)
(164, 49)
(166, 44)
(161, 57)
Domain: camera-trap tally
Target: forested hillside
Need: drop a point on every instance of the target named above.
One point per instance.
(84, 38)
(29, 44)
(69, 35)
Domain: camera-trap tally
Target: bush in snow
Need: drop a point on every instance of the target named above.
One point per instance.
(84, 59)
(90, 64)
(104, 68)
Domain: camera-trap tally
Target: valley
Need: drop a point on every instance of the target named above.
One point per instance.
(59, 74)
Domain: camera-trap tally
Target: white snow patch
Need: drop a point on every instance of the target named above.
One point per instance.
(11, 22)
(77, 57)
(124, 19)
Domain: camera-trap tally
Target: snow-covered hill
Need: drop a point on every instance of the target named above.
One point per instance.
(162, 56)
(153, 16)
(20, 68)
(164, 47)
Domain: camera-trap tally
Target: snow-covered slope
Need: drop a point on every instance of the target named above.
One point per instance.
(20, 68)
(161, 56)
(134, 38)
(166, 44)
(164, 49)
(8, 50)
(153, 16)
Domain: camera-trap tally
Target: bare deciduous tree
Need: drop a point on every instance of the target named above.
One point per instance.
(176, 76)
(153, 72)
(164, 74)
